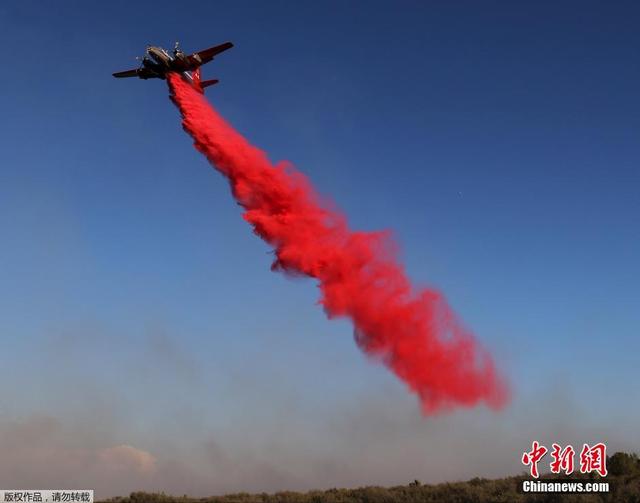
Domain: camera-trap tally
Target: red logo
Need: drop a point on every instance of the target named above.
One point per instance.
(562, 459)
(592, 459)
(533, 457)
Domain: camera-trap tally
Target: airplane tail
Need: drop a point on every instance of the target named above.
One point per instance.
(201, 84)
(207, 83)
(195, 75)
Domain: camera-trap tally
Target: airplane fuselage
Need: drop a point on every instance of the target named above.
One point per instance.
(160, 62)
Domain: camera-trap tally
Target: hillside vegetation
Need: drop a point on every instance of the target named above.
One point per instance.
(623, 479)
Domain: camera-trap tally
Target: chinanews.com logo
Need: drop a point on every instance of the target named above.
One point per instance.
(592, 459)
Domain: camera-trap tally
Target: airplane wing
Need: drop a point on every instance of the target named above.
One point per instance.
(143, 73)
(127, 73)
(202, 57)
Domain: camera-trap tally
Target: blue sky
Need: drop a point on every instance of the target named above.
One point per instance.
(499, 142)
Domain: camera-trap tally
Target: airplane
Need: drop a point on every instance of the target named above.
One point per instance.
(157, 62)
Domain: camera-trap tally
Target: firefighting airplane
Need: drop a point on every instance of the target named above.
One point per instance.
(157, 62)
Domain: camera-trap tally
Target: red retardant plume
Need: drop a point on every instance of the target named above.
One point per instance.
(412, 331)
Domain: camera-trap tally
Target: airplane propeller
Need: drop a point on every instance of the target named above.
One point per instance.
(141, 59)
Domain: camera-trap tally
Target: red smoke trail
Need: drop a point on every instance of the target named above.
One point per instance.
(413, 332)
